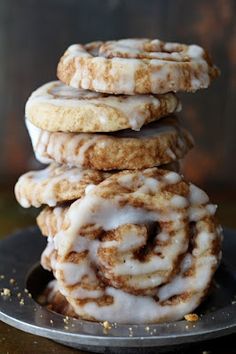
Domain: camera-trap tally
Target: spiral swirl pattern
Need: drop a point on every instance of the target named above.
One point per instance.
(146, 240)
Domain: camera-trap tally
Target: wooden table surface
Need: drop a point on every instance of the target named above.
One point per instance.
(13, 341)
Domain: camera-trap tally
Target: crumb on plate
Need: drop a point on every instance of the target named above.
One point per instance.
(191, 317)
(106, 325)
(6, 292)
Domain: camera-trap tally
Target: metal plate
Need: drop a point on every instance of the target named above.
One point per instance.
(19, 257)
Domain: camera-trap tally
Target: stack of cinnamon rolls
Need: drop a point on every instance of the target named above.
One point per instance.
(125, 229)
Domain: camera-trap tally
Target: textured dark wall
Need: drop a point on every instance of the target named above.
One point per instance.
(33, 35)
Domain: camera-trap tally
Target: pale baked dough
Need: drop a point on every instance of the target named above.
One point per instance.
(57, 107)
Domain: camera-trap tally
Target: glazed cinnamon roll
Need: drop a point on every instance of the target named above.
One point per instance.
(144, 240)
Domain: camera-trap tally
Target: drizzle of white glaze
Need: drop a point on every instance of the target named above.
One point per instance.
(73, 273)
(179, 201)
(36, 136)
(197, 196)
(46, 256)
(60, 145)
(172, 178)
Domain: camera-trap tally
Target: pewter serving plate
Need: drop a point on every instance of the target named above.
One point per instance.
(19, 260)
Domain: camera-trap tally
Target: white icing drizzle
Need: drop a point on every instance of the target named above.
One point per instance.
(53, 288)
(73, 273)
(197, 196)
(38, 135)
(46, 257)
(151, 49)
(75, 50)
(89, 188)
(101, 212)
(171, 153)
(172, 178)
(147, 310)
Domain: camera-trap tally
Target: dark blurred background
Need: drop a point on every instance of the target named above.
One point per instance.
(34, 34)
